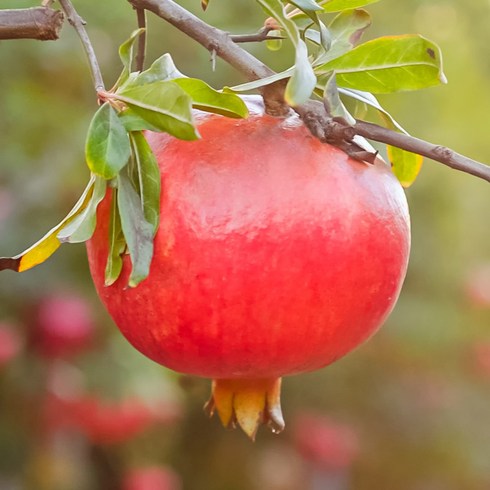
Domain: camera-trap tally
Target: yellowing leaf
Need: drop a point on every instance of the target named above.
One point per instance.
(49, 243)
(406, 165)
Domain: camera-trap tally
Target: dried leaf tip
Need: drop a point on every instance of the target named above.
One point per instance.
(247, 403)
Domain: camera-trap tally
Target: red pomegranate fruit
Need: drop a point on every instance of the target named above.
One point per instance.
(152, 478)
(63, 327)
(325, 442)
(10, 344)
(107, 422)
(276, 254)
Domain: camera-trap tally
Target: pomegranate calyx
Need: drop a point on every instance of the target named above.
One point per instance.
(247, 403)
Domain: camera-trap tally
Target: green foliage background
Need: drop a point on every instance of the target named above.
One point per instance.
(414, 393)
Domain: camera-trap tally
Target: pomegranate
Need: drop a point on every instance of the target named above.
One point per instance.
(64, 326)
(477, 286)
(276, 254)
(325, 442)
(104, 422)
(10, 344)
(152, 478)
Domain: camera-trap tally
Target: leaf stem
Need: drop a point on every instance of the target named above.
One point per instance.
(79, 25)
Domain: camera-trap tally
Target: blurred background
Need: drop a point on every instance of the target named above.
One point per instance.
(80, 409)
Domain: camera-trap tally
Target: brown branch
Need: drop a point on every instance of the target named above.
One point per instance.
(313, 113)
(339, 132)
(140, 56)
(41, 23)
(437, 153)
(210, 37)
(79, 25)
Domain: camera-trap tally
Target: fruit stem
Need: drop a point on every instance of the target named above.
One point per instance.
(247, 403)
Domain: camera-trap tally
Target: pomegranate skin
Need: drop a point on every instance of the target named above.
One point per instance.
(276, 254)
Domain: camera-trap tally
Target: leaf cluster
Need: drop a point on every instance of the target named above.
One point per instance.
(331, 64)
(158, 99)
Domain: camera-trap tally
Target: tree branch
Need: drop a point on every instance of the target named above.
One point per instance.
(210, 37)
(140, 56)
(79, 25)
(220, 44)
(437, 153)
(313, 113)
(41, 23)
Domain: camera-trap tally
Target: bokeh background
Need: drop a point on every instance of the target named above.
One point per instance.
(82, 410)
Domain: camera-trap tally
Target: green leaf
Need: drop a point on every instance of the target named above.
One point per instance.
(137, 231)
(83, 226)
(207, 99)
(332, 100)
(107, 147)
(164, 105)
(49, 243)
(306, 6)
(255, 84)
(406, 165)
(133, 122)
(148, 178)
(370, 99)
(389, 64)
(303, 79)
(346, 30)
(339, 5)
(162, 69)
(126, 55)
(117, 244)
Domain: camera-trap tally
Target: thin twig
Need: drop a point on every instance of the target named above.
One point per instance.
(40, 23)
(208, 36)
(312, 113)
(79, 25)
(140, 56)
(339, 132)
(437, 153)
(259, 36)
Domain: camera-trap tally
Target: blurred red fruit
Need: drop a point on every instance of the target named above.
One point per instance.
(152, 478)
(10, 344)
(481, 358)
(63, 326)
(477, 286)
(325, 442)
(104, 422)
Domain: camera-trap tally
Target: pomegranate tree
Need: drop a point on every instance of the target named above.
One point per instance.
(267, 253)
(276, 254)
